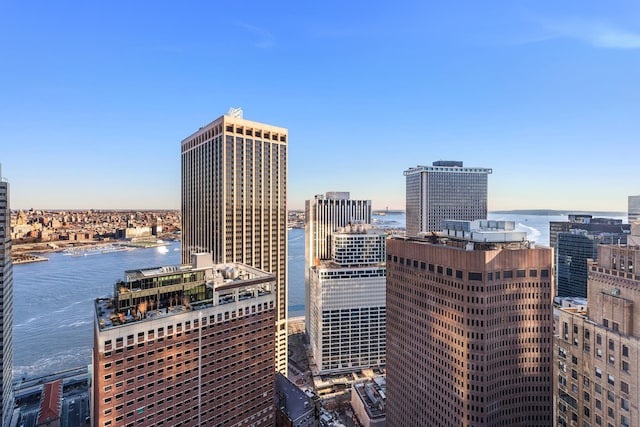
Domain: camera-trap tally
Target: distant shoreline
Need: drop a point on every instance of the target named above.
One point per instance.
(549, 212)
(27, 258)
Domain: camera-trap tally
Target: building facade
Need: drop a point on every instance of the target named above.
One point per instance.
(633, 211)
(444, 191)
(234, 201)
(469, 328)
(347, 303)
(573, 249)
(324, 215)
(597, 350)
(188, 345)
(604, 226)
(6, 306)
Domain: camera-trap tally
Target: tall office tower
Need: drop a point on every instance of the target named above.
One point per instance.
(234, 201)
(6, 305)
(592, 225)
(347, 302)
(188, 345)
(573, 249)
(598, 355)
(469, 328)
(324, 215)
(444, 191)
(633, 212)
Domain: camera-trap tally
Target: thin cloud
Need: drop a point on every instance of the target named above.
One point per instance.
(595, 34)
(266, 40)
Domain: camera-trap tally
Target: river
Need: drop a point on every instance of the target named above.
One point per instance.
(53, 301)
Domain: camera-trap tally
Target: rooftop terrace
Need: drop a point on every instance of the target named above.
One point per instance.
(157, 292)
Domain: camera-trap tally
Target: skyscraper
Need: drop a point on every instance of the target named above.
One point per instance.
(234, 201)
(598, 355)
(324, 215)
(347, 313)
(6, 305)
(633, 212)
(444, 191)
(188, 345)
(469, 328)
(573, 249)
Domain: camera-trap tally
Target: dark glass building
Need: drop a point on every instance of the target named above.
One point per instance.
(577, 240)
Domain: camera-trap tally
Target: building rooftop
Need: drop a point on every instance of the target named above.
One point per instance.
(476, 235)
(294, 401)
(373, 394)
(447, 166)
(50, 404)
(157, 292)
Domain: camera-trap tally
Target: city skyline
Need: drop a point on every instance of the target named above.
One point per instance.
(97, 97)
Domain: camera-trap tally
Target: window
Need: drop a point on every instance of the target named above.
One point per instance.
(625, 366)
(624, 404)
(598, 373)
(624, 387)
(625, 351)
(611, 380)
(611, 345)
(610, 396)
(598, 339)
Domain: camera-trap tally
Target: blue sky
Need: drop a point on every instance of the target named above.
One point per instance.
(95, 97)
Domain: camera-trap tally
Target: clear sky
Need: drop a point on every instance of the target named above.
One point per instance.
(95, 97)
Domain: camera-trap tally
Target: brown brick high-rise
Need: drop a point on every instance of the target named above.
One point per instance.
(186, 346)
(469, 330)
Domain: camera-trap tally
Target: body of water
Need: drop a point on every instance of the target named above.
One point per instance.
(53, 301)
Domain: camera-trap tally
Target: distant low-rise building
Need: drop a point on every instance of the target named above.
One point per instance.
(49, 414)
(294, 407)
(369, 401)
